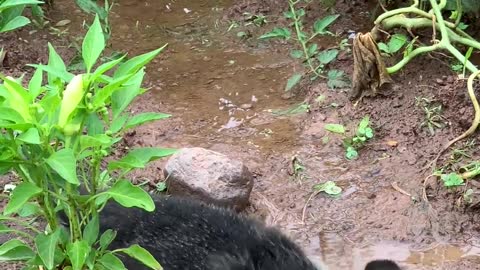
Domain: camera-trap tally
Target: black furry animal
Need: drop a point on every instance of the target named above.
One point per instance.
(183, 234)
(382, 265)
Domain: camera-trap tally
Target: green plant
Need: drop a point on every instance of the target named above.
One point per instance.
(314, 59)
(352, 144)
(257, 20)
(56, 136)
(11, 14)
(395, 43)
(328, 187)
(433, 115)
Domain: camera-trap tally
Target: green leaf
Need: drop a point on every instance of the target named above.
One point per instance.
(312, 49)
(139, 157)
(118, 123)
(15, 23)
(369, 133)
(364, 122)
(121, 98)
(90, 6)
(277, 33)
(35, 84)
(337, 79)
(93, 44)
(452, 180)
(329, 187)
(143, 118)
(30, 136)
(54, 73)
(16, 97)
(102, 95)
(20, 195)
(91, 231)
(321, 25)
(14, 3)
(77, 253)
(29, 209)
(292, 81)
(132, 66)
(296, 54)
(46, 245)
(128, 195)
(15, 250)
(142, 255)
(336, 128)
(351, 153)
(111, 262)
(64, 163)
(56, 63)
(383, 47)
(106, 66)
(327, 56)
(87, 141)
(94, 125)
(10, 115)
(107, 238)
(396, 42)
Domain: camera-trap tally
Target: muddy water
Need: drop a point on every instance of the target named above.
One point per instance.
(219, 89)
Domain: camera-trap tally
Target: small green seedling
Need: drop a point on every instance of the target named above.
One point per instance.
(433, 115)
(314, 59)
(328, 187)
(452, 180)
(352, 144)
(257, 20)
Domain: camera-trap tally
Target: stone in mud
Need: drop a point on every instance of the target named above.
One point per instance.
(209, 176)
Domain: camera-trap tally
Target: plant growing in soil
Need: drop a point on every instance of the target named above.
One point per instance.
(56, 138)
(11, 13)
(313, 58)
(433, 118)
(354, 143)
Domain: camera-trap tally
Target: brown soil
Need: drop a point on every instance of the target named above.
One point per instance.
(373, 218)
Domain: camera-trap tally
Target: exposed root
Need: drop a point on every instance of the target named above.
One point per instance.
(475, 123)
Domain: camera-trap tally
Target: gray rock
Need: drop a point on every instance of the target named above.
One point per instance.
(209, 176)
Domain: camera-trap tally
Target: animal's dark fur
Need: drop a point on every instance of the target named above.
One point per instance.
(382, 265)
(186, 235)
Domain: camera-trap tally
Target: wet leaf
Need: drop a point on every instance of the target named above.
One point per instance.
(336, 128)
(292, 81)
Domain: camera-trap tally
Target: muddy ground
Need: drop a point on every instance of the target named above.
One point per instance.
(380, 214)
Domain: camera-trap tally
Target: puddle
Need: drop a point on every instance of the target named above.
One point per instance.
(338, 253)
(216, 89)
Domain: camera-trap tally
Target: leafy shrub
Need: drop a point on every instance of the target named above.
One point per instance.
(11, 14)
(56, 137)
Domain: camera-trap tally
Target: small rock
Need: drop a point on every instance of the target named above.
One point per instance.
(246, 106)
(209, 176)
(440, 81)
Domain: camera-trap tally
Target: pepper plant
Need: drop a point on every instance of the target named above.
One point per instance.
(56, 135)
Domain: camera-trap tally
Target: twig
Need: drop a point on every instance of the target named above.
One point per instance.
(306, 204)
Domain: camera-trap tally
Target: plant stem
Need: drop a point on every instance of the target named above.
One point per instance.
(296, 21)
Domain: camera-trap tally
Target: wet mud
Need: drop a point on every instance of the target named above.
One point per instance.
(227, 94)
